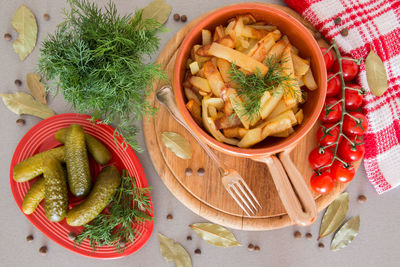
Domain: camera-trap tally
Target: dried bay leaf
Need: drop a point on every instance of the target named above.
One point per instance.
(177, 144)
(24, 22)
(376, 74)
(172, 251)
(334, 215)
(36, 87)
(346, 234)
(158, 10)
(22, 103)
(215, 234)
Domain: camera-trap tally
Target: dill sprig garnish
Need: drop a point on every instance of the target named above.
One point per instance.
(96, 58)
(129, 205)
(251, 87)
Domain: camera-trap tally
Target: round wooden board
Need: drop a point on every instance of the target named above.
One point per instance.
(205, 195)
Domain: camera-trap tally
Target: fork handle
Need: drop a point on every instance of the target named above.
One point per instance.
(293, 191)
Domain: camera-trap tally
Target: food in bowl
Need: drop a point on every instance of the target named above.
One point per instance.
(246, 82)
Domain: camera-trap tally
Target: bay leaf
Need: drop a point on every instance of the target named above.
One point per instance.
(376, 74)
(215, 234)
(22, 103)
(36, 87)
(158, 10)
(346, 234)
(177, 144)
(334, 215)
(172, 251)
(24, 22)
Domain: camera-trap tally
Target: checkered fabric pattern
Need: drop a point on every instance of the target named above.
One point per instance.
(375, 23)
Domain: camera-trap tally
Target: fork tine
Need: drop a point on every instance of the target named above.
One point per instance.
(232, 185)
(237, 200)
(251, 193)
(246, 195)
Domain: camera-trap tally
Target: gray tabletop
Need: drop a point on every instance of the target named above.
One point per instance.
(376, 245)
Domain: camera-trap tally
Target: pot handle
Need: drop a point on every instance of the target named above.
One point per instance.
(293, 191)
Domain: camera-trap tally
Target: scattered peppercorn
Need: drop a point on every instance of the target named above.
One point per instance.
(188, 171)
(7, 36)
(18, 82)
(177, 17)
(188, 237)
(321, 245)
(201, 171)
(43, 250)
(297, 235)
(71, 236)
(250, 247)
(46, 16)
(362, 199)
(169, 217)
(337, 20)
(256, 248)
(197, 251)
(344, 32)
(183, 18)
(20, 122)
(308, 236)
(29, 238)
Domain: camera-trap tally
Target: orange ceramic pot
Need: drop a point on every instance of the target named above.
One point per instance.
(291, 186)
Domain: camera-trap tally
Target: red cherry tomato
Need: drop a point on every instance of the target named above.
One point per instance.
(353, 99)
(334, 114)
(333, 87)
(322, 183)
(350, 153)
(350, 127)
(349, 67)
(342, 174)
(317, 159)
(328, 58)
(330, 137)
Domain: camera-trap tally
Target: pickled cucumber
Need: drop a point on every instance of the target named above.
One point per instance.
(98, 151)
(103, 190)
(56, 192)
(34, 196)
(77, 161)
(32, 167)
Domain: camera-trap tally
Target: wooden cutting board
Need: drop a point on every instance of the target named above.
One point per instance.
(205, 194)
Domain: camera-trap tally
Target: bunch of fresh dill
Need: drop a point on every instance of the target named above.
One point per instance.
(251, 87)
(129, 205)
(96, 59)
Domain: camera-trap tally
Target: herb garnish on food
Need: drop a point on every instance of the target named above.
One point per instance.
(252, 87)
(129, 205)
(96, 59)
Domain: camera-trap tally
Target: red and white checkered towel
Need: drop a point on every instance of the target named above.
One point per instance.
(375, 22)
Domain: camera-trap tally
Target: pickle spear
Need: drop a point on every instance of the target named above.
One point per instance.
(34, 196)
(103, 190)
(32, 167)
(98, 151)
(76, 157)
(56, 192)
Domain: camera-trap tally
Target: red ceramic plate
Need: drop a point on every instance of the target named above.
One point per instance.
(41, 138)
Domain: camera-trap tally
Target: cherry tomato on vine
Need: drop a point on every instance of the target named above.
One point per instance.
(330, 137)
(349, 67)
(349, 152)
(317, 159)
(353, 99)
(335, 112)
(322, 183)
(328, 58)
(342, 174)
(351, 127)
(334, 85)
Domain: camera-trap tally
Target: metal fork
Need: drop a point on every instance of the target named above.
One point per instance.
(231, 179)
